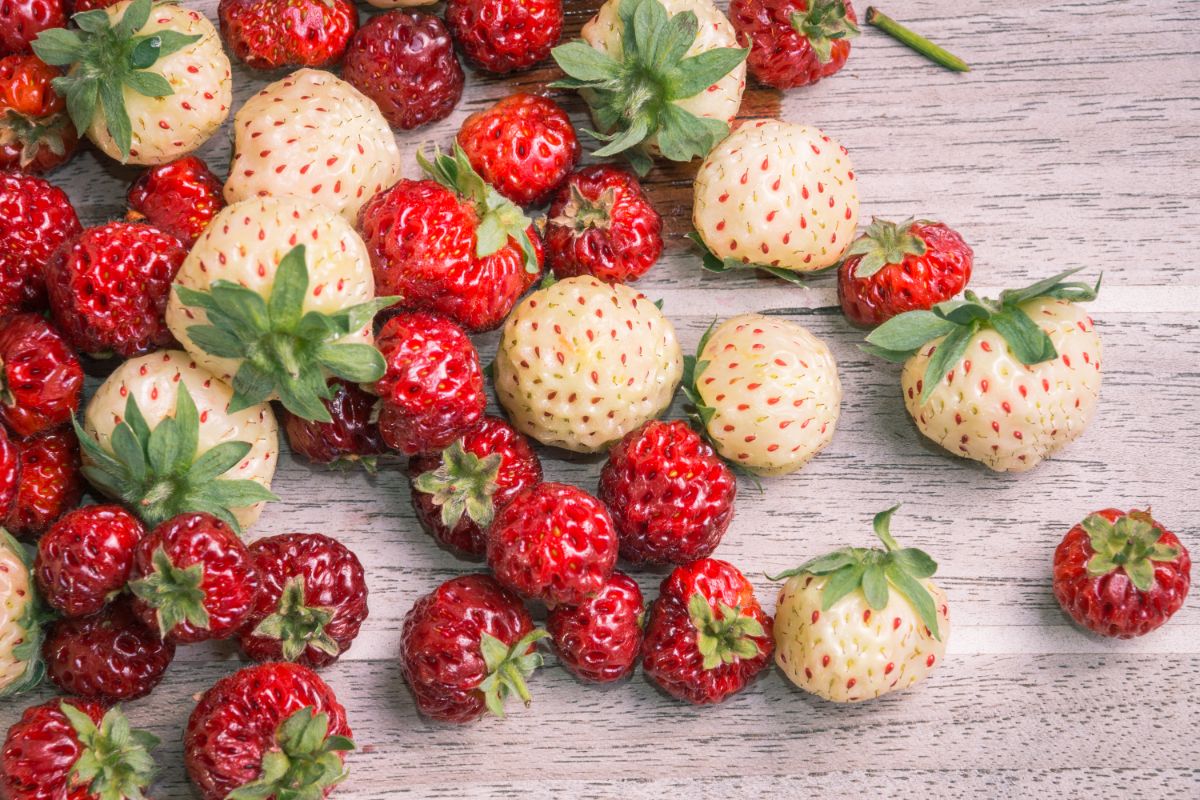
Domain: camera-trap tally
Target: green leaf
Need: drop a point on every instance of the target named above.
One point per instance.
(163, 450)
(116, 118)
(150, 84)
(187, 420)
(695, 74)
(240, 303)
(909, 331)
(584, 63)
(841, 583)
(671, 44)
(82, 97)
(218, 459)
(194, 299)
(128, 450)
(302, 401)
(95, 21)
(875, 586)
(61, 47)
(360, 363)
(287, 295)
(962, 312)
(635, 134)
(251, 386)
(915, 562)
(238, 494)
(917, 595)
(1028, 342)
(648, 21)
(684, 136)
(136, 15)
(945, 358)
(894, 356)
(216, 341)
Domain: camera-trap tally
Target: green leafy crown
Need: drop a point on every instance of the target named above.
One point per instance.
(297, 625)
(115, 761)
(175, 593)
(508, 667)
(1130, 543)
(31, 135)
(884, 243)
(462, 484)
(724, 637)
(711, 262)
(32, 623)
(634, 96)
(824, 23)
(306, 764)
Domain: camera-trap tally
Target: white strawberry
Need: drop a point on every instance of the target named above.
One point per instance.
(859, 623)
(767, 392)
(775, 195)
(22, 615)
(581, 363)
(313, 136)
(1005, 382)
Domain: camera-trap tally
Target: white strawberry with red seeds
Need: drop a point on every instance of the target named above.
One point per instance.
(22, 615)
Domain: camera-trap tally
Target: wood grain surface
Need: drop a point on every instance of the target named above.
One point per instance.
(1073, 142)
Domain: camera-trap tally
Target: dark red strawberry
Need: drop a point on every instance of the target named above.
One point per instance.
(794, 42)
(35, 218)
(180, 197)
(85, 558)
(505, 35)
(894, 268)
(40, 376)
(50, 481)
(91, 5)
(312, 602)
(405, 62)
(600, 639)
(10, 474)
(269, 34)
(22, 20)
(465, 647)
(270, 731)
(707, 636)
(193, 580)
(1121, 574)
(352, 436)
(36, 134)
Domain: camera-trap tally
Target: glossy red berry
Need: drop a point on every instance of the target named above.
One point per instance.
(84, 560)
(505, 35)
(40, 376)
(36, 134)
(600, 639)
(352, 436)
(50, 481)
(794, 42)
(269, 34)
(35, 218)
(180, 197)
(10, 474)
(22, 20)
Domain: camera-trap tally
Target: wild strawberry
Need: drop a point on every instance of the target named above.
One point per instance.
(707, 637)
(351, 437)
(405, 62)
(22, 617)
(312, 602)
(36, 134)
(795, 42)
(1121, 574)
(22, 20)
(553, 543)
(84, 560)
(504, 35)
(465, 647)
(269, 34)
(858, 623)
(35, 218)
(180, 197)
(40, 376)
(269, 731)
(50, 481)
(1006, 382)
(600, 639)
(10, 474)
(581, 363)
(193, 580)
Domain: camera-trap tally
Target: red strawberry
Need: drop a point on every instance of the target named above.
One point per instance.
(50, 481)
(465, 647)
(270, 731)
(84, 560)
(36, 134)
(35, 217)
(505, 35)
(524, 146)
(405, 62)
(10, 474)
(91, 5)
(600, 639)
(22, 20)
(602, 224)
(894, 268)
(269, 34)
(180, 197)
(707, 636)
(193, 580)
(794, 42)
(1121, 574)
(670, 496)
(40, 376)
(109, 287)
(553, 543)
(352, 436)
(312, 602)
(456, 492)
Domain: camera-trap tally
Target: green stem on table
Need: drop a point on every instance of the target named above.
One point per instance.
(917, 42)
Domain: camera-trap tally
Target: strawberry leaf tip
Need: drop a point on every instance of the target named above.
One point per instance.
(296, 625)
(711, 262)
(507, 668)
(175, 594)
(462, 484)
(306, 764)
(114, 762)
(822, 24)
(1130, 544)
(884, 243)
(725, 635)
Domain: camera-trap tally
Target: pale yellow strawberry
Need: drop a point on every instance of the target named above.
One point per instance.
(21, 618)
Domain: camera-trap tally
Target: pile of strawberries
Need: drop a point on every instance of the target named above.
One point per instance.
(316, 287)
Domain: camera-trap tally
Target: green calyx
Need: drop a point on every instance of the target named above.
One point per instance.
(158, 474)
(1131, 544)
(115, 762)
(581, 214)
(824, 23)
(499, 218)
(32, 135)
(105, 60)
(306, 764)
(175, 594)
(283, 349)
(958, 321)
(508, 667)
(875, 572)
(32, 623)
(725, 636)
(634, 96)
(884, 243)
(711, 262)
(296, 625)
(462, 484)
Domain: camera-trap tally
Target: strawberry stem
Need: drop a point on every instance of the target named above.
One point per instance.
(933, 52)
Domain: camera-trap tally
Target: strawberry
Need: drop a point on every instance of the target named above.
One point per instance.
(193, 580)
(1121, 574)
(405, 62)
(35, 218)
(503, 36)
(352, 435)
(180, 197)
(766, 392)
(90, 5)
(707, 637)
(10, 474)
(581, 363)
(312, 603)
(84, 560)
(602, 224)
(860, 622)
(795, 42)
(451, 245)
(1006, 382)
(432, 390)
(22, 20)
(670, 496)
(267, 731)
(40, 376)
(457, 492)
(553, 543)
(108, 288)
(50, 481)
(672, 90)
(22, 617)
(600, 639)
(36, 134)
(894, 268)
(465, 647)
(269, 34)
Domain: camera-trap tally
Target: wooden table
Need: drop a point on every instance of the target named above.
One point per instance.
(1072, 143)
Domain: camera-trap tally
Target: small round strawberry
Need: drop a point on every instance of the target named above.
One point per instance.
(707, 636)
(600, 639)
(22, 20)
(36, 134)
(893, 268)
(456, 492)
(267, 731)
(670, 496)
(51, 482)
(465, 647)
(269, 34)
(10, 474)
(553, 543)
(85, 558)
(35, 218)
(109, 288)
(524, 146)
(505, 35)
(405, 62)
(40, 376)
(351, 437)
(193, 580)
(180, 197)
(1121, 574)
(794, 42)
(312, 602)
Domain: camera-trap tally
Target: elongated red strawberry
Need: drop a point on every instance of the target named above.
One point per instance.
(352, 436)
(22, 20)
(40, 376)
(505, 35)
(269, 34)
(10, 474)
(600, 639)
(35, 218)
(36, 134)
(794, 42)
(180, 197)
(50, 481)
(85, 558)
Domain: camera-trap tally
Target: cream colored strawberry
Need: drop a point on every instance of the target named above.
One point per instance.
(21, 619)
(312, 136)
(767, 391)
(581, 363)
